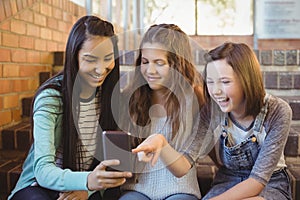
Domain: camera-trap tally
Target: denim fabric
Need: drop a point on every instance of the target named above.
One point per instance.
(241, 156)
(238, 161)
(133, 195)
(181, 197)
(277, 188)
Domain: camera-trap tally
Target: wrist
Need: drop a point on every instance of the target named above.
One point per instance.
(87, 182)
(163, 139)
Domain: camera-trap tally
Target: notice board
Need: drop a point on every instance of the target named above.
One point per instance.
(277, 19)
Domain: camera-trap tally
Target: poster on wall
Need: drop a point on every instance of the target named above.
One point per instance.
(277, 19)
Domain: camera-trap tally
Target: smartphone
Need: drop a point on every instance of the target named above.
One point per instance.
(117, 145)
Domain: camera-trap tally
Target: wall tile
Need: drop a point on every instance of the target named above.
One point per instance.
(279, 56)
(285, 80)
(266, 57)
(271, 80)
(295, 105)
(292, 145)
(291, 57)
(296, 81)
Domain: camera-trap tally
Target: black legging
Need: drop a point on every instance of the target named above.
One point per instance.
(35, 193)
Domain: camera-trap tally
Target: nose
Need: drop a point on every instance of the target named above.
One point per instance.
(100, 68)
(151, 68)
(217, 90)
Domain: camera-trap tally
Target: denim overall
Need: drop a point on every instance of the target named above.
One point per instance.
(239, 159)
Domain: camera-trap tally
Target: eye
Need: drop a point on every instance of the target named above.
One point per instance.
(145, 61)
(160, 63)
(108, 58)
(225, 82)
(209, 82)
(91, 60)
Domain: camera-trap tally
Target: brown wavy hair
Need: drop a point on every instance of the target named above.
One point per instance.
(179, 56)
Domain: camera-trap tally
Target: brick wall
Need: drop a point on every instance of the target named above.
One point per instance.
(30, 30)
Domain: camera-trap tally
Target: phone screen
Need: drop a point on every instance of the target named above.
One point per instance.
(117, 145)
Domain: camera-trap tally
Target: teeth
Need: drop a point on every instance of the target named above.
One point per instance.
(95, 76)
(221, 100)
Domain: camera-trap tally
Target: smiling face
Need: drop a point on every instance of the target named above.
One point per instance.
(154, 66)
(96, 60)
(225, 87)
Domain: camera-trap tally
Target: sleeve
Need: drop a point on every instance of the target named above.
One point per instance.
(201, 141)
(47, 113)
(277, 126)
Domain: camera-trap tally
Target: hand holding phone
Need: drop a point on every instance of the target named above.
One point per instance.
(100, 178)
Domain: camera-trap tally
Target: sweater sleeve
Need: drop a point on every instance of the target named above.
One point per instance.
(277, 126)
(201, 141)
(47, 118)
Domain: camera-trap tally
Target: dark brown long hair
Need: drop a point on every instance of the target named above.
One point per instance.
(85, 27)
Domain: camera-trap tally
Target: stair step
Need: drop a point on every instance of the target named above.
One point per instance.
(292, 145)
(294, 102)
(43, 76)
(282, 79)
(26, 106)
(17, 137)
(8, 176)
(294, 173)
(10, 169)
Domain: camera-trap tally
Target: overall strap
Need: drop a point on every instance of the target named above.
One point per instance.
(259, 120)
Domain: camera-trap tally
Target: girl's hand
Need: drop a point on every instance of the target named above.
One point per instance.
(100, 179)
(149, 149)
(74, 195)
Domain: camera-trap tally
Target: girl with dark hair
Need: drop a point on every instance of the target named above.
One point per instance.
(69, 113)
(248, 127)
(163, 98)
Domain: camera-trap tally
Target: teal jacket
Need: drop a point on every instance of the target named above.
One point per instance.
(39, 166)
